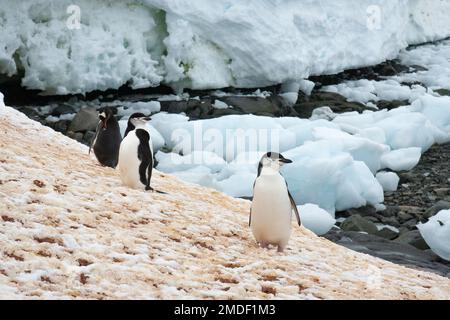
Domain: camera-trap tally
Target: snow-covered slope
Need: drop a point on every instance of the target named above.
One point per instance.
(68, 229)
(204, 44)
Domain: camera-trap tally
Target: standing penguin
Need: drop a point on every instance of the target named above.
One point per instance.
(136, 153)
(106, 142)
(272, 205)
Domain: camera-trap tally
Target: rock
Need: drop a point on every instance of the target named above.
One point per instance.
(373, 219)
(392, 221)
(413, 238)
(337, 103)
(253, 105)
(362, 211)
(404, 216)
(396, 252)
(442, 192)
(443, 92)
(391, 211)
(387, 233)
(411, 224)
(389, 105)
(204, 109)
(359, 224)
(61, 126)
(31, 113)
(75, 135)
(439, 206)
(175, 106)
(62, 109)
(406, 177)
(88, 136)
(85, 120)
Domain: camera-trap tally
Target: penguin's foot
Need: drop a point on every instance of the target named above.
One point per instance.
(280, 249)
(147, 188)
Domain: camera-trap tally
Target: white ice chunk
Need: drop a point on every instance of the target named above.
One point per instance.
(316, 219)
(388, 180)
(172, 162)
(220, 105)
(436, 233)
(401, 159)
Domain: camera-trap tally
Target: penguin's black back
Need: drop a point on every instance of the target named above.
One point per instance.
(107, 143)
(145, 156)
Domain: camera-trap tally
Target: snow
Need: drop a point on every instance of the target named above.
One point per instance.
(206, 44)
(370, 90)
(128, 108)
(316, 219)
(388, 180)
(85, 236)
(115, 44)
(381, 226)
(434, 58)
(436, 233)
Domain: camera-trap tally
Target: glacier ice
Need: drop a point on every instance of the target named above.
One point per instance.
(205, 44)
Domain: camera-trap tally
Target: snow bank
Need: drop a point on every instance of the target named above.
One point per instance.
(435, 58)
(85, 236)
(205, 44)
(117, 43)
(436, 233)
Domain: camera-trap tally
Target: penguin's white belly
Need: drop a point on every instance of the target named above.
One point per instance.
(271, 210)
(129, 162)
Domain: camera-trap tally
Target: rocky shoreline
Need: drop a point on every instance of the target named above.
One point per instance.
(422, 193)
(390, 234)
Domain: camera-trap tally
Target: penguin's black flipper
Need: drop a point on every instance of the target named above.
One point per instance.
(97, 130)
(294, 208)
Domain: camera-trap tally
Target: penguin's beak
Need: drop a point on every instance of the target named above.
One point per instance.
(284, 160)
(147, 118)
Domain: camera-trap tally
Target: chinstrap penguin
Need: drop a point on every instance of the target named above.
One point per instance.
(272, 205)
(106, 142)
(136, 153)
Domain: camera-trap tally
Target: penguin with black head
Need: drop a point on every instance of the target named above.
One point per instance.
(106, 142)
(136, 153)
(272, 205)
